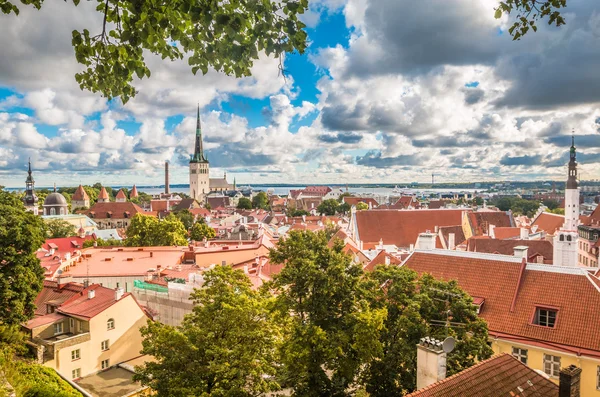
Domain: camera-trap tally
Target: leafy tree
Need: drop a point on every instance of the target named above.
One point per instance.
(332, 330)
(328, 207)
(143, 199)
(343, 208)
(551, 204)
(201, 230)
(558, 211)
(148, 231)
(244, 203)
(21, 234)
(225, 347)
(260, 201)
(517, 205)
(186, 217)
(529, 12)
(56, 228)
(227, 37)
(362, 206)
(345, 194)
(478, 201)
(414, 305)
(111, 242)
(297, 212)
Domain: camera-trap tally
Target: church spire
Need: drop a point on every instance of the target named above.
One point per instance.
(572, 180)
(198, 156)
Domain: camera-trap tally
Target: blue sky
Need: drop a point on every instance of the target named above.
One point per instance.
(388, 91)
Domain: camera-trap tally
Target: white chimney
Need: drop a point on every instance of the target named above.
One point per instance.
(524, 233)
(119, 293)
(521, 251)
(91, 294)
(431, 362)
(380, 246)
(491, 229)
(387, 260)
(246, 272)
(412, 247)
(426, 241)
(451, 241)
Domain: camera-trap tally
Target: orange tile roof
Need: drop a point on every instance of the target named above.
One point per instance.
(121, 195)
(548, 222)
(459, 234)
(134, 192)
(500, 280)
(117, 210)
(401, 227)
(355, 200)
(507, 232)
(81, 306)
(501, 375)
(380, 259)
(103, 194)
(80, 194)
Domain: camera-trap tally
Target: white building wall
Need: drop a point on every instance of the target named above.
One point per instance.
(571, 209)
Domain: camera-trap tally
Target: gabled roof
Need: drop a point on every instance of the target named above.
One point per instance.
(436, 204)
(218, 183)
(513, 292)
(548, 222)
(80, 194)
(506, 247)
(401, 227)
(381, 259)
(459, 234)
(81, 306)
(56, 294)
(481, 221)
(134, 192)
(501, 375)
(593, 219)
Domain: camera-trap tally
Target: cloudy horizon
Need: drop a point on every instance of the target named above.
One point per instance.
(389, 91)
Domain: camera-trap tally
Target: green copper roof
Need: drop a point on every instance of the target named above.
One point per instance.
(198, 156)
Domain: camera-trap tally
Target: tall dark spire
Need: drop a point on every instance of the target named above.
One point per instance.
(572, 180)
(30, 198)
(198, 156)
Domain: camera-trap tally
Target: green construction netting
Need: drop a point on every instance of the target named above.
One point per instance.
(152, 287)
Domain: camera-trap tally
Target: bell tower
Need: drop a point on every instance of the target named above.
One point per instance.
(199, 167)
(566, 238)
(31, 199)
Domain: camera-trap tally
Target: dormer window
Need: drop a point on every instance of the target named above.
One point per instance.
(545, 317)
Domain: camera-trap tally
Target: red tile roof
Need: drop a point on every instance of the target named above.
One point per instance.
(80, 194)
(44, 319)
(593, 219)
(500, 281)
(134, 192)
(506, 247)
(51, 292)
(436, 204)
(81, 306)
(401, 227)
(117, 210)
(501, 375)
(480, 221)
(380, 259)
(459, 234)
(316, 190)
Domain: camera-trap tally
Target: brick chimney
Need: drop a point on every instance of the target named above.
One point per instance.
(167, 190)
(431, 362)
(569, 382)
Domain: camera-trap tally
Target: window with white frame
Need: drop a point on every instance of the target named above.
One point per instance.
(520, 354)
(75, 354)
(105, 363)
(552, 365)
(58, 328)
(76, 373)
(545, 317)
(104, 345)
(110, 324)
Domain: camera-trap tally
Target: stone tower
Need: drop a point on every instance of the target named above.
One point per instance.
(566, 238)
(199, 167)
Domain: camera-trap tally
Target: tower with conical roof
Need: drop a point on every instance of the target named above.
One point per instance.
(566, 238)
(31, 199)
(80, 198)
(199, 167)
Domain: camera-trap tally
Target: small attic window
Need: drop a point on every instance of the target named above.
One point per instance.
(545, 317)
